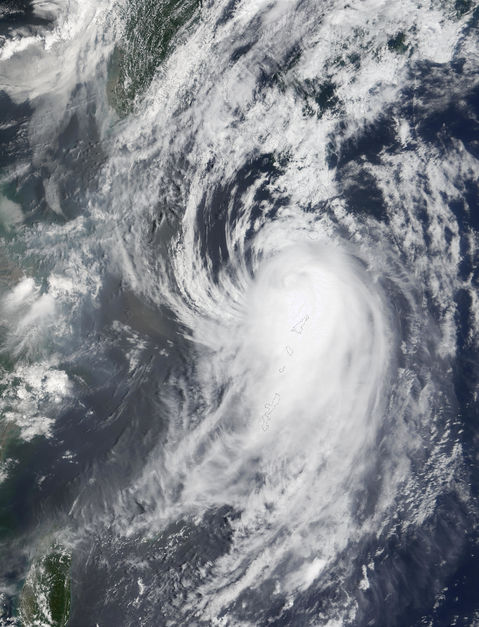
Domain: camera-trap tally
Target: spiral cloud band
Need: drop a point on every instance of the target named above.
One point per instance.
(239, 313)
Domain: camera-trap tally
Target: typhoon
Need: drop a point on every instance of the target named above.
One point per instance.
(239, 313)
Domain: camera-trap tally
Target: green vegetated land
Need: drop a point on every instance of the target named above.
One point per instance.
(150, 33)
(45, 598)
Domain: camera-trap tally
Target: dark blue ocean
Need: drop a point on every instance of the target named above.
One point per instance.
(239, 313)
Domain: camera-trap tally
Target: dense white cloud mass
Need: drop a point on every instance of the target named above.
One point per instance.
(257, 283)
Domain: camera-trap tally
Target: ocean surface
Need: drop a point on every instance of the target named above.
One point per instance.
(239, 313)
